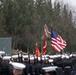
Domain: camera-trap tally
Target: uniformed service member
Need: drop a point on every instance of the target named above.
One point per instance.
(51, 70)
(4, 68)
(17, 68)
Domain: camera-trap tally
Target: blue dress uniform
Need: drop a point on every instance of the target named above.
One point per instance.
(32, 69)
(4, 68)
(38, 69)
(58, 62)
(67, 70)
(68, 62)
(27, 69)
(59, 71)
(51, 70)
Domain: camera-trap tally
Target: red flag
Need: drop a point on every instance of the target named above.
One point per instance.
(37, 53)
(45, 36)
(44, 47)
(57, 42)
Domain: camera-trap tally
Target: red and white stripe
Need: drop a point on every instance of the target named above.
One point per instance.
(58, 44)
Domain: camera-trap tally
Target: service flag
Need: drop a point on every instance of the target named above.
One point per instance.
(37, 53)
(44, 47)
(46, 33)
(45, 37)
(57, 42)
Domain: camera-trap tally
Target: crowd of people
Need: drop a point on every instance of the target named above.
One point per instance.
(62, 64)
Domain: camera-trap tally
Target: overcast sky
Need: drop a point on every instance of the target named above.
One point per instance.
(71, 3)
(72, 6)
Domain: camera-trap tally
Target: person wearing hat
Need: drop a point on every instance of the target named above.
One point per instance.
(4, 68)
(51, 70)
(17, 68)
(6, 58)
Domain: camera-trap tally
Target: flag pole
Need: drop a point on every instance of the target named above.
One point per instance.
(34, 56)
(43, 36)
(28, 56)
(41, 53)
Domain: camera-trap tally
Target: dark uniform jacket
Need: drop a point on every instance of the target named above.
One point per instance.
(4, 68)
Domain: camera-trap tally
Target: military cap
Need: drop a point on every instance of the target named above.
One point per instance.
(18, 66)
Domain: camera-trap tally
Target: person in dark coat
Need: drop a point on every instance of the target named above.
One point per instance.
(4, 68)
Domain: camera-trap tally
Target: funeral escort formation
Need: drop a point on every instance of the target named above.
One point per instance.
(28, 64)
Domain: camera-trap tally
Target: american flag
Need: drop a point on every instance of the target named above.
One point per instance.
(57, 42)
